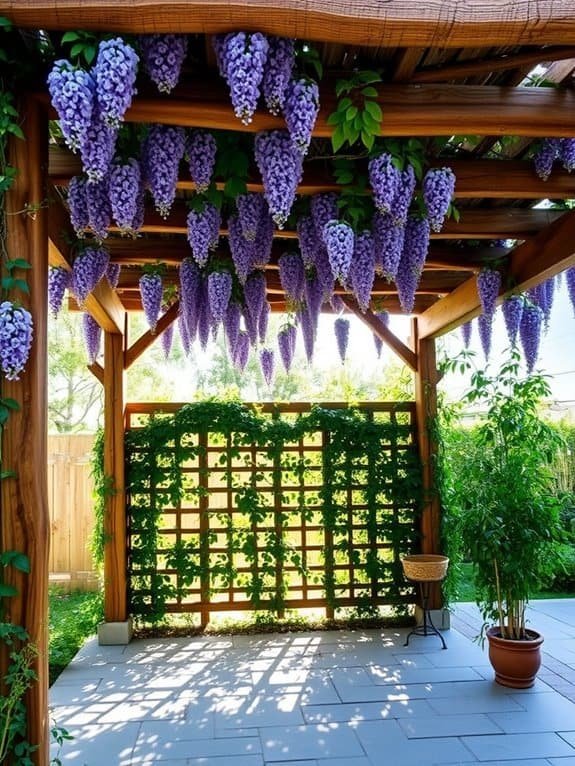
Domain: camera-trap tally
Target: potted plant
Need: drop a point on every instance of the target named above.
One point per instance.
(507, 515)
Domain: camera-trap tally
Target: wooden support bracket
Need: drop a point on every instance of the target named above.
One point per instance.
(406, 355)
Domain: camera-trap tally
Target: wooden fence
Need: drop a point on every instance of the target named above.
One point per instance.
(70, 488)
(206, 553)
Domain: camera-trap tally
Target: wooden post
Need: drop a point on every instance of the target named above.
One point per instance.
(25, 525)
(426, 408)
(115, 549)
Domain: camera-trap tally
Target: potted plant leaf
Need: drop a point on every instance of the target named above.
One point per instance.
(507, 515)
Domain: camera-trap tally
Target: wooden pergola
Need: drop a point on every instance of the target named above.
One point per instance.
(450, 68)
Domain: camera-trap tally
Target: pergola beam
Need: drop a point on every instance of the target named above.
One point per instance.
(409, 110)
(474, 67)
(172, 251)
(497, 179)
(145, 341)
(552, 251)
(474, 223)
(449, 23)
(406, 355)
(102, 303)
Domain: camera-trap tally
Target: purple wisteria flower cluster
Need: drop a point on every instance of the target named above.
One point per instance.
(201, 233)
(162, 152)
(252, 63)
(91, 105)
(151, 292)
(339, 240)
(219, 293)
(78, 205)
(87, 270)
(286, 344)
(362, 270)
(341, 329)
(545, 157)
(124, 189)
(200, 152)
(413, 256)
(530, 334)
(438, 190)
(16, 329)
(58, 281)
(280, 165)
(163, 57)
(92, 337)
(267, 363)
(512, 308)
(292, 276)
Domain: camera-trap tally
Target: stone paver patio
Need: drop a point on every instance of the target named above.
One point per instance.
(351, 698)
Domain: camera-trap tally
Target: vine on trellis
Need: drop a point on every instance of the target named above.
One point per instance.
(361, 469)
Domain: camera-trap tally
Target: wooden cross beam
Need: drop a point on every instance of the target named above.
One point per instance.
(145, 341)
(406, 355)
(552, 251)
(474, 223)
(409, 110)
(497, 179)
(451, 24)
(102, 303)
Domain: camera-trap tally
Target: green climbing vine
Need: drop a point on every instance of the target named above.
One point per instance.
(230, 503)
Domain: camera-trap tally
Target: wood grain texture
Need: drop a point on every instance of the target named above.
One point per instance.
(496, 179)
(426, 410)
(551, 252)
(474, 223)
(145, 341)
(102, 303)
(406, 355)
(441, 23)
(409, 110)
(463, 69)
(115, 531)
(25, 521)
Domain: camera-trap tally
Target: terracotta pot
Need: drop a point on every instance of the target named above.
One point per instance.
(515, 662)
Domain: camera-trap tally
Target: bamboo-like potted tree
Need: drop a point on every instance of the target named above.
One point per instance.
(508, 516)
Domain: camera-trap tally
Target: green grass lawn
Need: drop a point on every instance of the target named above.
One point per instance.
(467, 590)
(73, 617)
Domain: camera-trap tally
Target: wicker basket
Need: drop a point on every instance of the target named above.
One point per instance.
(425, 567)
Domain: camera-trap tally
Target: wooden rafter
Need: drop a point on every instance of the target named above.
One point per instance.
(102, 303)
(552, 251)
(145, 341)
(410, 110)
(406, 355)
(171, 252)
(477, 66)
(369, 22)
(97, 371)
(474, 223)
(475, 178)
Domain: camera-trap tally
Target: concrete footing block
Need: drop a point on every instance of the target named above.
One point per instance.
(115, 633)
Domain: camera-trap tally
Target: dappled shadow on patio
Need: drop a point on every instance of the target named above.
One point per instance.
(350, 698)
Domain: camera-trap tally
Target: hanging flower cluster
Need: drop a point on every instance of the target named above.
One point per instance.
(16, 330)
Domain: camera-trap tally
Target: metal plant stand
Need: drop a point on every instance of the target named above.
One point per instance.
(427, 628)
(425, 569)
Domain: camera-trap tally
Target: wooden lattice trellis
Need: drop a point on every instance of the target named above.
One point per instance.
(300, 547)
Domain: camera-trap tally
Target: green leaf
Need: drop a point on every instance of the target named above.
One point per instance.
(18, 263)
(11, 404)
(338, 138)
(374, 110)
(342, 86)
(90, 53)
(8, 475)
(351, 113)
(344, 104)
(7, 591)
(21, 284)
(335, 118)
(370, 124)
(5, 23)
(77, 50)
(369, 76)
(21, 563)
(370, 92)
(16, 130)
(367, 139)
(235, 186)
(70, 37)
